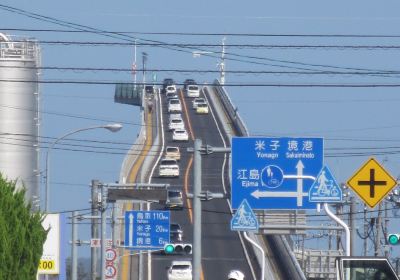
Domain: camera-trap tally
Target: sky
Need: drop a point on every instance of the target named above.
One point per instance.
(355, 114)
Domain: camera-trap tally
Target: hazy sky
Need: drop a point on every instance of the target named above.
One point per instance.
(354, 121)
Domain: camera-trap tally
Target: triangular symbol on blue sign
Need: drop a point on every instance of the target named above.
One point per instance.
(325, 188)
(244, 218)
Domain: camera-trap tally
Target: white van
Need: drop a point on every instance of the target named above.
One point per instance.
(193, 91)
(168, 168)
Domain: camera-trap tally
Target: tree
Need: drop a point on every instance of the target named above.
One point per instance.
(21, 234)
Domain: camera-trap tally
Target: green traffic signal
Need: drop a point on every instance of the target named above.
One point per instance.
(177, 248)
(169, 248)
(393, 239)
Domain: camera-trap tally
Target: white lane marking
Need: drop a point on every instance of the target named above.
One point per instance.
(223, 185)
(151, 175)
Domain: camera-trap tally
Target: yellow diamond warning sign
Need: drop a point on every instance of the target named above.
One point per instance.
(372, 182)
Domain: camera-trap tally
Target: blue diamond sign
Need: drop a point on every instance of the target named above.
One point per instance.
(275, 173)
(325, 188)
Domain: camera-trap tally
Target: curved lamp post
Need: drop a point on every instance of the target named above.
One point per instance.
(111, 127)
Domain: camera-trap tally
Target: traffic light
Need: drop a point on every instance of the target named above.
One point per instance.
(394, 239)
(177, 248)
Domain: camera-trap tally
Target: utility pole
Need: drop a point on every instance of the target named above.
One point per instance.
(385, 232)
(102, 206)
(94, 227)
(74, 251)
(134, 66)
(378, 230)
(352, 225)
(197, 210)
(365, 230)
(222, 63)
(144, 60)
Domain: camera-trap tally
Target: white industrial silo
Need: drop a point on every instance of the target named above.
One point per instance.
(19, 112)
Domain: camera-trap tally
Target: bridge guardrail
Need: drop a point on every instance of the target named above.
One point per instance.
(231, 110)
(281, 247)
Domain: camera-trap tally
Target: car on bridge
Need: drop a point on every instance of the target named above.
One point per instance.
(193, 91)
(197, 101)
(174, 200)
(172, 152)
(174, 105)
(180, 135)
(176, 124)
(168, 168)
(176, 232)
(170, 89)
(180, 270)
(202, 108)
(235, 275)
(188, 82)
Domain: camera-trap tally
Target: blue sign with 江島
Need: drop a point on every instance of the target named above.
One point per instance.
(275, 173)
(146, 230)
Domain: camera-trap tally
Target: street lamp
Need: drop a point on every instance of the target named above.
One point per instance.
(114, 127)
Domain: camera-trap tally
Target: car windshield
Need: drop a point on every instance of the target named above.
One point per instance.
(176, 121)
(174, 194)
(172, 150)
(181, 267)
(175, 227)
(168, 162)
(193, 87)
(202, 105)
(199, 100)
(174, 101)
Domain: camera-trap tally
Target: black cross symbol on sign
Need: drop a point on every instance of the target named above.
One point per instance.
(372, 183)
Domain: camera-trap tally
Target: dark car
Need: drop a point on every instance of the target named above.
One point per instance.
(168, 82)
(149, 89)
(189, 82)
(174, 200)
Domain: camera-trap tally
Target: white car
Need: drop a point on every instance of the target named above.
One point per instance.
(176, 124)
(168, 168)
(170, 89)
(175, 116)
(180, 135)
(202, 108)
(197, 101)
(172, 152)
(174, 105)
(180, 270)
(235, 275)
(193, 91)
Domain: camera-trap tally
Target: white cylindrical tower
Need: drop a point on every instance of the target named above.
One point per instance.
(19, 113)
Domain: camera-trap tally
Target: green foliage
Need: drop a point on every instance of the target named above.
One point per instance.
(21, 234)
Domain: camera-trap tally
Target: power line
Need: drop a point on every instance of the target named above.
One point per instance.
(198, 71)
(212, 34)
(244, 84)
(210, 45)
(184, 50)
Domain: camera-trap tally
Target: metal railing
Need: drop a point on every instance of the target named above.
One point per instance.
(278, 243)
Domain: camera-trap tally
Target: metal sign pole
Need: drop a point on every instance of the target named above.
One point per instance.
(343, 224)
(262, 253)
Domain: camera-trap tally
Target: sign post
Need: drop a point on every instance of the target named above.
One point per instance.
(275, 173)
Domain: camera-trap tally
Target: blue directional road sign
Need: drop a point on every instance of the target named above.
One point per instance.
(325, 188)
(275, 173)
(146, 230)
(244, 218)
